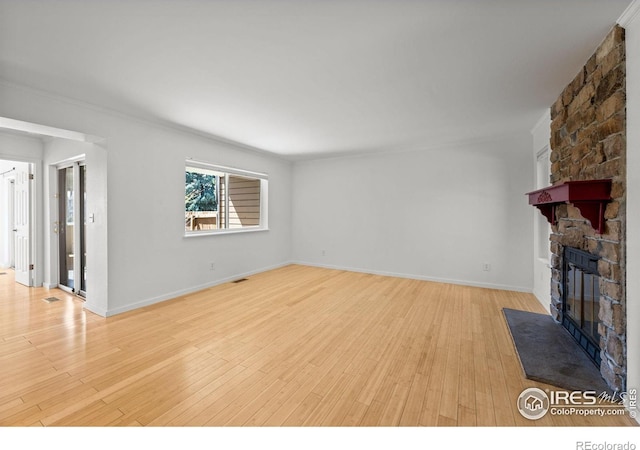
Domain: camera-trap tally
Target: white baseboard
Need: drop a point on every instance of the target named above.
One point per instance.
(544, 299)
(181, 292)
(501, 287)
(98, 311)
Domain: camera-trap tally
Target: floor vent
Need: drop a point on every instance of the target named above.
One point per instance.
(51, 299)
(240, 280)
(3, 273)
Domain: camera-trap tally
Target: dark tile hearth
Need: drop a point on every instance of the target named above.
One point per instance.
(550, 355)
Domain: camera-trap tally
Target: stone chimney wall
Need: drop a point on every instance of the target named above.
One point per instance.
(588, 142)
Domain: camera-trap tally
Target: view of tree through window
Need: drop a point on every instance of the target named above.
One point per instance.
(200, 192)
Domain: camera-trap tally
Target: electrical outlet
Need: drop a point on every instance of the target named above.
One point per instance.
(324, 253)
(212, 266)
(486, 266)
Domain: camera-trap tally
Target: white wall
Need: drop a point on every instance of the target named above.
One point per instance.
(631, 23)
(20, 147)
(5, 223)
(436, 214)
(148, 259)
(541, 134)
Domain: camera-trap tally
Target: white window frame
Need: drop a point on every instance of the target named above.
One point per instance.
(264, 195)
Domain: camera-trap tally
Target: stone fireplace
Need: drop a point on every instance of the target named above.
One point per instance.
(588, 142)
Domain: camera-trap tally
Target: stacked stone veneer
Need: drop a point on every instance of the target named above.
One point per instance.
(588, 141)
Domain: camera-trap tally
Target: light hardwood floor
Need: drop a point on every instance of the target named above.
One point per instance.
(296, 346)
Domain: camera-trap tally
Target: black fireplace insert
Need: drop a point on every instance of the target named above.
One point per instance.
(581, 300)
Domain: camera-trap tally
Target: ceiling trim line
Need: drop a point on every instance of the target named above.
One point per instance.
(153, 121)
(453, 144)
(629, 14)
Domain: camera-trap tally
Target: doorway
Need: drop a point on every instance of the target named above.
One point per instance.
(71, 228)
(49, 149)
(17, 221)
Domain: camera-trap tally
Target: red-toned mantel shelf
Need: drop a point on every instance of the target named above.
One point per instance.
(590, 197)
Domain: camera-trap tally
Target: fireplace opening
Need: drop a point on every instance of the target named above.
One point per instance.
(581, 300)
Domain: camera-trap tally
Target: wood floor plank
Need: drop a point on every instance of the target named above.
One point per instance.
(213, 382)
(266, 395)
(415, 401)
(374, 411)
(395, 406)
(151, 406)
(294, 346)
(261, 416)
(355, 415)
(210, 406)
(156, 388)
(243, 395)
(306, 380)
(299, 415)
(26, 414)
(97, 413)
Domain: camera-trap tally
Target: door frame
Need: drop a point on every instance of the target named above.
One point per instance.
(11, 200)
(75, 162)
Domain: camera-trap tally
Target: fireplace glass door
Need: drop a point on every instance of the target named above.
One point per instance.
(582, 304)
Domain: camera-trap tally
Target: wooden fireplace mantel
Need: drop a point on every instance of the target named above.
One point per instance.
(590, 197)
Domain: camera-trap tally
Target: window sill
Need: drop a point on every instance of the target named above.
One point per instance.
(221, 232)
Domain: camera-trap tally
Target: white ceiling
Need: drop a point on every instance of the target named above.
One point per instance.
(302, 78)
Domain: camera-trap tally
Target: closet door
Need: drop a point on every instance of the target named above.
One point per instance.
(22, 227)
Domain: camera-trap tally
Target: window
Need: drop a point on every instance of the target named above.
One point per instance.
(220, 199)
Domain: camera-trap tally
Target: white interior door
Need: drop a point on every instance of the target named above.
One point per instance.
(22, 227)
